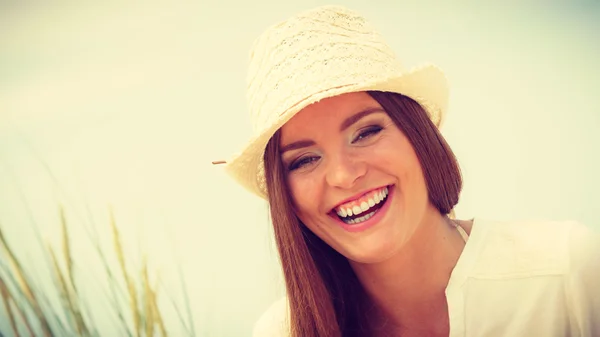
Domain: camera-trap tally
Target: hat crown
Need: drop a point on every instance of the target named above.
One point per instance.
(295, 61)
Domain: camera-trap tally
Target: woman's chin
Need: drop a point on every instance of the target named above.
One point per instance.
(372, 252)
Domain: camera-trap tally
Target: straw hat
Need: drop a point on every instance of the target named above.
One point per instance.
(320, 53)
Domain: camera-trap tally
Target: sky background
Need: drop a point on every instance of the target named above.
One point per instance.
(126, 105)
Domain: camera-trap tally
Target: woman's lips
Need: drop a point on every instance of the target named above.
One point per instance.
(363, 203)
(371, 220)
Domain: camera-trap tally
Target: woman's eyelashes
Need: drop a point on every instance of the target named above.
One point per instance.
(367, 132)
(307, 160)
(302, 162)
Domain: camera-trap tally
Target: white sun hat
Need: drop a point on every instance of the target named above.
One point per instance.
(320, 53)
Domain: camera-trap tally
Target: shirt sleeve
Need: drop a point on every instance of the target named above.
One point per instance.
(274, 321)
(583, 282)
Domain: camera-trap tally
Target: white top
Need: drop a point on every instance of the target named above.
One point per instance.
(512, 279)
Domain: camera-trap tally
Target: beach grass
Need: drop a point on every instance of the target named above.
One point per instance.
(22, 299)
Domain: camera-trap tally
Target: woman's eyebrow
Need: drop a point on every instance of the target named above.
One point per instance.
(297, 145)
(358, 116)
(345, 124)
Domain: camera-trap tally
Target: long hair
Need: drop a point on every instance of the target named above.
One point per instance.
(325, 297)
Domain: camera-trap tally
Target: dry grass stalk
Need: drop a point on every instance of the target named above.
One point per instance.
(19, 310)
(157, 315)
(112, 288)
(62, 285)
(133, 300)
(68, 297)
(151, 298)
(70, 287)
(79, 322)
(149, 312)
(6, 298)
(25, 287)
(67, 248)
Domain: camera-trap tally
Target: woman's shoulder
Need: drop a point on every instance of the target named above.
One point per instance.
(583, 292)
(584, 253)
(274, 322)
(533, 246)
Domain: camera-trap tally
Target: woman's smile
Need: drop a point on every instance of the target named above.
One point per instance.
(364, 212)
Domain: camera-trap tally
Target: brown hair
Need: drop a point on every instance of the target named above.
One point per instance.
(324, 295)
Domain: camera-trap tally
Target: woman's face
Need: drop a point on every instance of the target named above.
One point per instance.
(354, 177)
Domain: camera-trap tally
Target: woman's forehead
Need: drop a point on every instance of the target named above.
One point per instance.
(329, 111)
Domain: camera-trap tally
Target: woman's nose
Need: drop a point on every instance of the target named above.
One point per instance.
(344, 171)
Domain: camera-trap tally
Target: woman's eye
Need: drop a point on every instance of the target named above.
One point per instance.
(367, 132)
(302, 162)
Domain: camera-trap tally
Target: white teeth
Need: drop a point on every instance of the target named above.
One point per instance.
(359, 220)
(364, 206)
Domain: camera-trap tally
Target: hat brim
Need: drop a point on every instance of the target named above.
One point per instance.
(425, 84)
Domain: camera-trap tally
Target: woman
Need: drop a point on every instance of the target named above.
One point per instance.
(361, 184)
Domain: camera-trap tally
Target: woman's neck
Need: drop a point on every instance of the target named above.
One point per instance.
(409, 288)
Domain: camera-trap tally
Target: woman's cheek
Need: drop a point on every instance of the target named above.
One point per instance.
(308, 194)
(298, 190)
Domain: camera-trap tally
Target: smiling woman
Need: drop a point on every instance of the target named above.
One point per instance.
(365, 172)
(361, 185)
